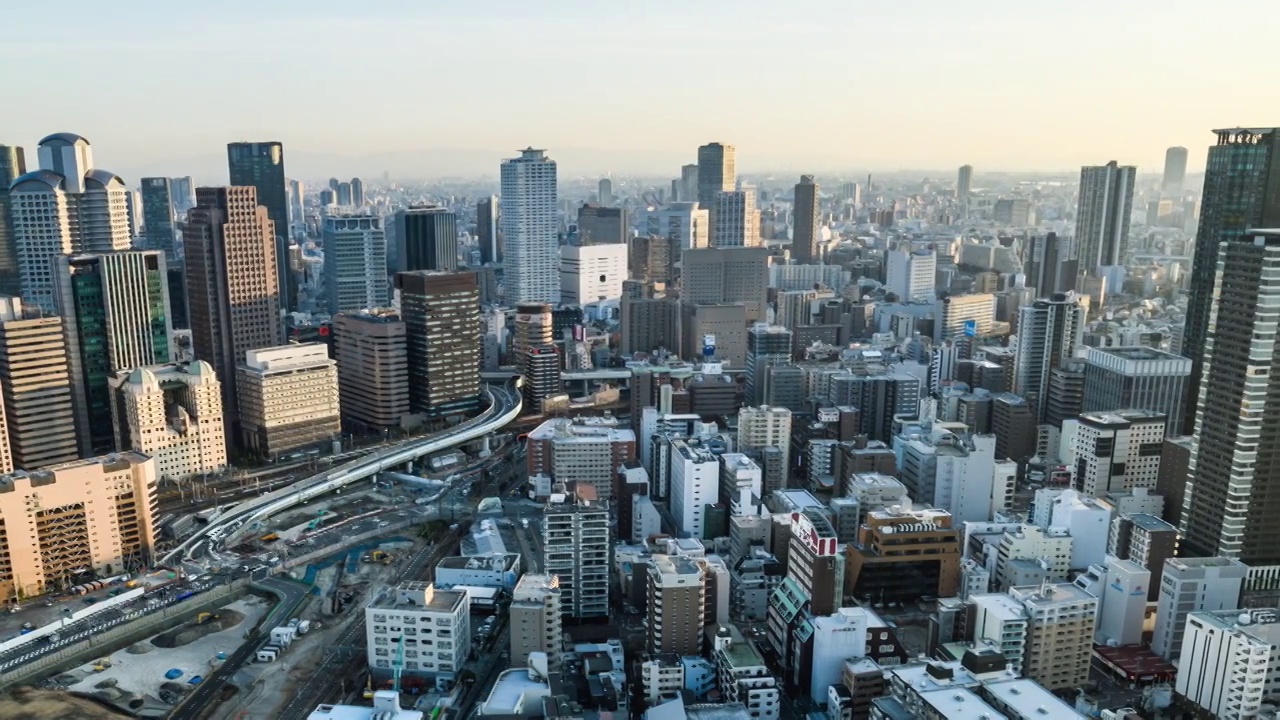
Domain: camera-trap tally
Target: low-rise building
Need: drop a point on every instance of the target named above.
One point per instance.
(902, 554)
(423, 630)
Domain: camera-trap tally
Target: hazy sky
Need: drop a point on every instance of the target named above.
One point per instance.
(159, 86)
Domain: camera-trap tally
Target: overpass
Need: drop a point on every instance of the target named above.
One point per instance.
(505, 403)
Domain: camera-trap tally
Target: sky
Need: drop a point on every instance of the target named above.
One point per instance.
(428, 88)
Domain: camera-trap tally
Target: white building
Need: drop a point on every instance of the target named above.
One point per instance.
(1051, 547)
(965, 315)
(1122, 601)
(65, 207)
(355, 263)
(1111, 451)
(592, 274)
(763, 427)
(426, 629)
(1024, 699)
(386, 706)
(1230, 661)
(530, 229)
(685, 223)
(742, 481)
(1088, 522)
(172, 413)
(695, 477)
(735, 220)
(744, 677)
(836, 638)
(1188, 585)
(911, 274)
(1001, 621)
(954, 472)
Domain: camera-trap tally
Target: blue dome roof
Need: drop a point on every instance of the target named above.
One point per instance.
(66, 137)
(48, 177)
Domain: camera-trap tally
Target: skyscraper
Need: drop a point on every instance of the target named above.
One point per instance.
(599, 225)
(1137, 377)
(727, 275)
(233, 289)
(1102, 215)
(1049, 331)
(964, 183)
(260, 165)
(1233, 473)
(487, 230)
(575, 548)
(297, 204)
(688, 185)
(604, 193)
(172, 413)
(355, 262)
(373, 369)
(13, 164)
(767, 346)
(115, 310)
(158, 216)
(1048, 266)
(183, 191)
(530, 229)
(1240, 181)
(687, 223)
(804, 236)
(736, 221)
(67, 206)
(441, 312)
(357, 192)
(1175, 172)
(717, 172)
(36, 385)
(426, 239)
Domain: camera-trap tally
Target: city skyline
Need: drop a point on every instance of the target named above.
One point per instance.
(1042, 57)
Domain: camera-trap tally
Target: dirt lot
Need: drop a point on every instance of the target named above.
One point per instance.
(26, 704)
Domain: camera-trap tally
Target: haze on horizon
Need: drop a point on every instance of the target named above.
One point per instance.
(450, 88)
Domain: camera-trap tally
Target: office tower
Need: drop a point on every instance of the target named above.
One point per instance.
(1115, 450)
(964, 184)
(94, 514)
(1240, 174)
(686, 224)
(695, 477)
(1145, 539)
(592, 274)
(765, 427)
(297, 204)
(13, 164)
(955, 472)
(530, 228)
(441, 312)
(260, 165)
(1175, 172)
(1060, 629)
(813, 587)
(649, 324)
(727, 275)
(373, 369)
(115, 311)
(651, 259)
(1229, 665)
(1102, 215)
(355, 263)
(536, 622)
(576, 549)
(1013, 211)
(581, 452)
(1049, 267)
(965, 316)
(737, 221)
(715, 332)
(288, 399)
(67, 206)
(911, 274)
(598, 225)
(767, 346)
(717, 172)
(902, 553)
(426, 239)
(1137, 377)
(36, 384)
(1189, 585)
(233, 291)
(328, 199)
(487, 235)
(604, 191)
(675, 603)
(357, 192)
(1049, 331)
(172, 413)
(804, 235)
(334, 183)
(344, 194)
(183, 191)
(158, 216)
(534, 353)
(688, 185)
(1231, 473)
(440, 621)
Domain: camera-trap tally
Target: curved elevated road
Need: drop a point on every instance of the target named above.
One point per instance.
(505, 403)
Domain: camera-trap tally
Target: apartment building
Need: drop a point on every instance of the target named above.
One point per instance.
(1229, 664)
(1060, 632)
(677, 594)
(581, 450)
(419, 631)
(536, 623)
(576, 549)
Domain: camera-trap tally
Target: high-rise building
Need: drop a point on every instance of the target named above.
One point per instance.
(67, 206)
(1137, 377)
(260, 165)
(13, 164)
(1226, 510)
(604, 191)
(1175, 172)
(713, 276)
(530, 228)
(115, 311)
(172, 413)
(357, 192)
(676, 596)
(487, 235)
(1049, 331)
(813, 587)
(592, 274)
(184, 193)
(737, 221)
(649, 324)
(355, 262)
(767, 346)
(695, 478)
(717, 171)
(534, 352)
(1102, 216)
(233, 290)
(764, 427)
(536, 622)
(1017, 212)
(1193, 585)
(426, 239)
(965, 316)
(158, 217)
(582, 452)
(373, 369)
(1115, 450)
(964, 184)
(1049, 266)
(297, 204)
(911, 274)
(288, 398)
(344, 194)
(441, 312)
(804, 234)
(599, 225)
(576, 549)
(651, 259)
(35, 381)
(1239, 180)
(1229, 665)
(93, 514)
(687, 224)
(687, 186)
(1060, 629)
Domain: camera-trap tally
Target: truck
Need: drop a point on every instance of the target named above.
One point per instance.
(269, 537)
(205, 617)
(304, 626)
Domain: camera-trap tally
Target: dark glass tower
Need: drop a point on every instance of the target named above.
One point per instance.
(13, 164)
(158, 216)
(441, 312)
(1241, 192)
(260, 165)
(426, 239)
(804, 235)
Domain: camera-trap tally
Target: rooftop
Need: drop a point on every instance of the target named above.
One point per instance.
(1150, 523)
(386, 706)
(418, 595)
(1049, 594)
(1000, 605)
(1026, 698)
(1121, 418)
(960, 703)
(513, 691)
